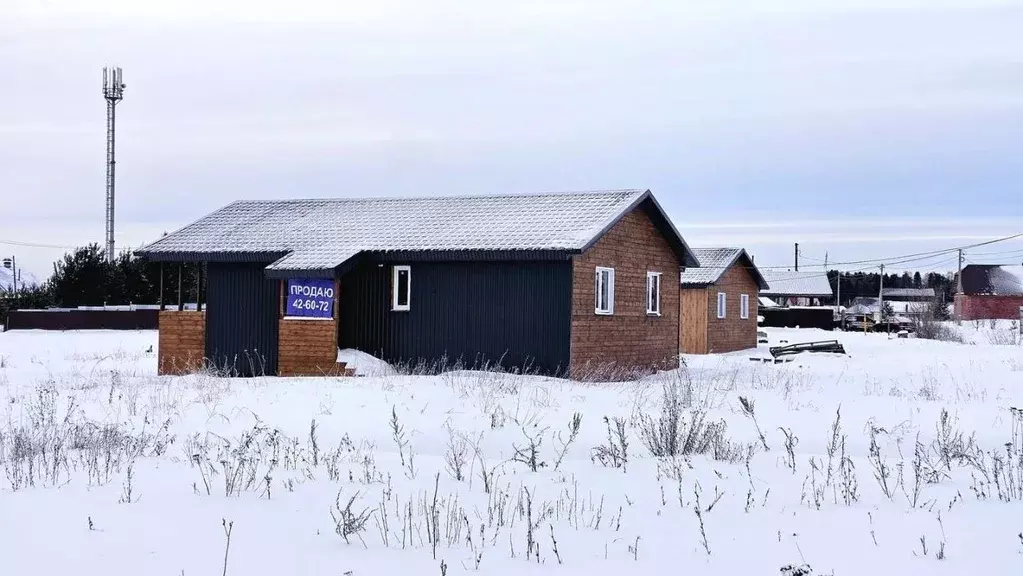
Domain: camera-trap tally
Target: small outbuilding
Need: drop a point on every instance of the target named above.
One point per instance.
(989, 292)
(719, 302)
(564, 284)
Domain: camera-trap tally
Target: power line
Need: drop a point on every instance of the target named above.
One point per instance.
(1006, 252)
(36, 245)
(905, 258)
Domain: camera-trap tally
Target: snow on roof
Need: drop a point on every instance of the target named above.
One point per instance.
(793, 283)
(908, 292)
(320, 234)
(25, 279)
(985, 279)
(713, 263)
(868, 305)
(766, 302)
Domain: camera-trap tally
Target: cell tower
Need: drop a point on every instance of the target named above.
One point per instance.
(113, 92)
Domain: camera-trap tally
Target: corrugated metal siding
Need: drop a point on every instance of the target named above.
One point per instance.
(517, 314)
(241, 319)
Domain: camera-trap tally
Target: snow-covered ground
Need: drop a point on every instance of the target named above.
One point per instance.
(110, 470)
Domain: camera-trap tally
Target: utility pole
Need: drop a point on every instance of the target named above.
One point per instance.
(113, 92)
(797, 256)
(14, 275)
(880, 297)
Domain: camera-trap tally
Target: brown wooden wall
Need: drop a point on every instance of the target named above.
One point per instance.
(308, 347)
(630, 339)
(732, 333)
(693, 321)
(181, 346)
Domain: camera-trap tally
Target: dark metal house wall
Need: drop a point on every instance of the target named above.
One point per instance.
(517, 314)
(241, 319)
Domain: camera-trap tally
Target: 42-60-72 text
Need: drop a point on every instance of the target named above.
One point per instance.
(309, 304)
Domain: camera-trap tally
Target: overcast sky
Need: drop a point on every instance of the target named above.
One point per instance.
(860, 129)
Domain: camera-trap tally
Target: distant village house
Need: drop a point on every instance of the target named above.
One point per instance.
(719, 302)
(989, 292)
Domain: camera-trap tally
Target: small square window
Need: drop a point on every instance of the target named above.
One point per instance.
(604, 291)
(401, 289)
(744, 306)
(722, 305)
(653, 293)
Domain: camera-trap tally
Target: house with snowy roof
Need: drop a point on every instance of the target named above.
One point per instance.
(719, 302)
(989, 292)
(908, 294)
(565, 284)
(798, 287)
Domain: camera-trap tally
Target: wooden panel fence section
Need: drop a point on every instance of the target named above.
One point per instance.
(308, 348)
(182, 342)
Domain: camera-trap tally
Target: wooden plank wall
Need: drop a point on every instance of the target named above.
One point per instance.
(308, 347)
(693, 323)
(182, 342)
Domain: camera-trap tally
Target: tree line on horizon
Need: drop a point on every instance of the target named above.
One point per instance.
(83, 277)
(868, 284)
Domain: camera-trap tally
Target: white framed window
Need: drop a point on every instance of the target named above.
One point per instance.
(744, 306)
(604, 291)
(722, 305)
(401, 288)
(653, 293)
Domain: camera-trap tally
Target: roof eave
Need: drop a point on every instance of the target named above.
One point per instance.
(261, 257)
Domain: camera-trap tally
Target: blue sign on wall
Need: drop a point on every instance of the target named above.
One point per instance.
(310, 297)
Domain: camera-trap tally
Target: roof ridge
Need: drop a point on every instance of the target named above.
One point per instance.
(551, 194)
(731, 248)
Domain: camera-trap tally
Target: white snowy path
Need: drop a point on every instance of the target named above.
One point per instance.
(58, 388)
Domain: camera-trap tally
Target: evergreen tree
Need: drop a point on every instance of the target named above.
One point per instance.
(917, 281)
(905, 281)
(35, 297)
(84, 278)
(81, 278)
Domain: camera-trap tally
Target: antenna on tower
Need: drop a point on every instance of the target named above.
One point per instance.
(113, 92)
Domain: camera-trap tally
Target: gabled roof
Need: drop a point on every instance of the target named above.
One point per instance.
(714, 262)
(321, 235)
(991, 280)
(809, 284)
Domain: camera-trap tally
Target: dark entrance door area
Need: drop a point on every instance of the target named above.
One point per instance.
(241, 319)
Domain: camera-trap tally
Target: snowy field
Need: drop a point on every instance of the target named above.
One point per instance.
(901, 458)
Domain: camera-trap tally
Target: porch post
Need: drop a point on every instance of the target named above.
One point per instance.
(161, 302)
(181, 285)
(198, 287)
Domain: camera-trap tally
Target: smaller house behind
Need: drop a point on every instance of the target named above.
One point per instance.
(719, 302)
